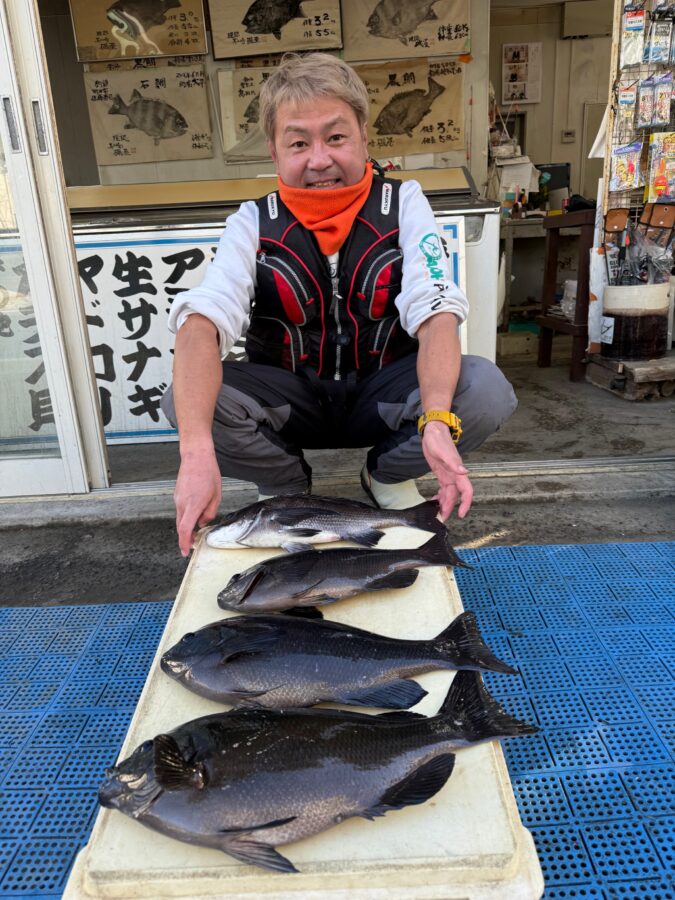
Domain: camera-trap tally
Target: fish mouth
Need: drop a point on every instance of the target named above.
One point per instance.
(239, 589)
(176, 668)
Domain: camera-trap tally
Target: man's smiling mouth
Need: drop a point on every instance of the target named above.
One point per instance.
(328, 183)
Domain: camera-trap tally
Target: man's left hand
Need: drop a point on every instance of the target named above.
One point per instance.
(446, 464)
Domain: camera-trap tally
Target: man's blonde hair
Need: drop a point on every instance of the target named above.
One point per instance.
(303, 78)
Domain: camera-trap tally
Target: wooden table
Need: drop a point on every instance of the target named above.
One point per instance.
(548, 323)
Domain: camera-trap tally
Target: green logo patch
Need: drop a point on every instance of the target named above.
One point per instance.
(431, 247)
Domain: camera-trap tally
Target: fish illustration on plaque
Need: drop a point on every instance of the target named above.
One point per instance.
(416, 106)
(156, 118)
(149, 115)
(242, 28)
(405, 111)
(399, 29)
(132, 29)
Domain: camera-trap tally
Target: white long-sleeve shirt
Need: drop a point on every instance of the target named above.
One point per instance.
(225, 294)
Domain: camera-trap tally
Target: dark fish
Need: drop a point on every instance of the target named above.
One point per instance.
(270, 16)
(252, 111)
(398, 18)
(154, 117)
(282, 661)
(317, 577)
(296, 521)
(247, 781)
(406, 110)
(143, 13)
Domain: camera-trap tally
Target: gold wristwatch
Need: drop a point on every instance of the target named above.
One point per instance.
(453, 422)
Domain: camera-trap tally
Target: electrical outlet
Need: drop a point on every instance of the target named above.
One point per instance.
(568, 136)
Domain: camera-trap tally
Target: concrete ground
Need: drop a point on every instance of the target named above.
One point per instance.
(575, 464)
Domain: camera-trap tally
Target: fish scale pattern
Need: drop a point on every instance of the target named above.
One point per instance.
(591, 630)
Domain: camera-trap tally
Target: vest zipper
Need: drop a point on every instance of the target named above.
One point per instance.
(335, 309)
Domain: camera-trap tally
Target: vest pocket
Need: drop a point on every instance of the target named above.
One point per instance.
(288, 286)
(273, 341)
(381, 283)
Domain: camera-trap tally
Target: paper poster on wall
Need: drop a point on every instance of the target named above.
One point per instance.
(144, 62)
(119, 29)
(416, 106)
(253, 27)
(521, 73)
(238, 101)
(399, 29)
(149, 115)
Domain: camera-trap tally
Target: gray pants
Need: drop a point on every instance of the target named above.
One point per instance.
(265, 416)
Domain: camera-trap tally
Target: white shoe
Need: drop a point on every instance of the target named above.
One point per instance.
(402, 495)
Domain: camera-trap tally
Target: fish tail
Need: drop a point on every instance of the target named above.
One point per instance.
(462, 644)
(435, 89)
(474, 714)
(439, 551)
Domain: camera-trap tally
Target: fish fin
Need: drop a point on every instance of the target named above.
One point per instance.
(462, 644)
(293, 547)
(249, 829)
(367, 537)
(136, 95)
(430, 16)
(415, 788)
(304, 612)
(396, 695)
(172, 771)
(475, 714)
(401, 579)
(439, 551)
(298, 595)
(258, 644)
(256, 854)
(277, 35)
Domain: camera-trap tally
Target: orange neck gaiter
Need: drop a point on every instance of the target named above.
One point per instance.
(329, 213)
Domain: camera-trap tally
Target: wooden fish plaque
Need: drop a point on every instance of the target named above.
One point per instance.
(126, 29)
(149, 115)
(255, 27)
(416, 106)
(400, 29)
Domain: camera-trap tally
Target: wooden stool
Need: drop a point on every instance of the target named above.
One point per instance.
(549, 324)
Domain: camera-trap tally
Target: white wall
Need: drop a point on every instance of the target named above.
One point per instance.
(576, 71)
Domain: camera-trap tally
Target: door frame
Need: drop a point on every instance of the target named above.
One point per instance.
(38, 192)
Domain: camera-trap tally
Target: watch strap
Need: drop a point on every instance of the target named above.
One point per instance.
(453, 422)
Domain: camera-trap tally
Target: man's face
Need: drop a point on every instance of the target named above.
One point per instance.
(319, 144)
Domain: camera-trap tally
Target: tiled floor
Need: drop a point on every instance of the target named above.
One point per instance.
(590, 628)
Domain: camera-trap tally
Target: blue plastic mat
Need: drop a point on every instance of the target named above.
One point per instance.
(591, 630)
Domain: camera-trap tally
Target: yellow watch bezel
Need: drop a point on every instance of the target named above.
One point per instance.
(453, 422)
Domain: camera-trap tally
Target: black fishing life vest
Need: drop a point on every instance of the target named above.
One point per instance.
(301, 317)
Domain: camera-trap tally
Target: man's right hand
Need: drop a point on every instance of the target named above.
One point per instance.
(197, 495)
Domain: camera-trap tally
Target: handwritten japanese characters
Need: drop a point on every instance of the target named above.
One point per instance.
(27, 420)
(416, 106)
(239, 93)
(149, 115)
(128, 290)
(254, 27)
(400, 29)
(119, 29)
